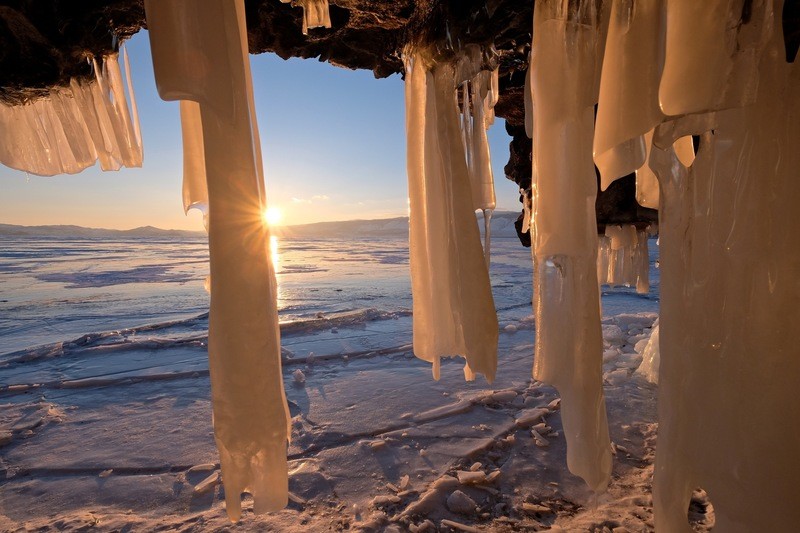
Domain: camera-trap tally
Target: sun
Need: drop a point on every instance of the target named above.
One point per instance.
(273, 216)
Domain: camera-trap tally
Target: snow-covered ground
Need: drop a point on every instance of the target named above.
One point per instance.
(113, 431)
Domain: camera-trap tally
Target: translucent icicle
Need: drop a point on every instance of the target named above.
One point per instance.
(710, 44)
(316, 14)
(647, 193)
(250, 411)
(453, 308)
(628, 104)
(480, 164)
(566, 295)
(195, 189)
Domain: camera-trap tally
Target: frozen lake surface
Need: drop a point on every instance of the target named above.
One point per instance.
(105, 410)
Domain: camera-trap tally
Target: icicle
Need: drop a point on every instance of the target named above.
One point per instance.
(623, 258)
(709, 44)
(641, 263)
(134, 108)
(729, 308)
(479, 93)
(529, 111)
(195, 188)
(250, 411)
(628, 104)
(651, 356)
(72, 128)
(453, 307)
(487, 236)
(316, 13)
(646, 182)
(480, 163)
(566, 295)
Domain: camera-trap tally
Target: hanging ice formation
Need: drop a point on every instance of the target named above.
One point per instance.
(564, 232)
(730, 301)
(316, 13)
(623, 258)
(200, 57)
(453, 309)
(75, 126)
(479, 93)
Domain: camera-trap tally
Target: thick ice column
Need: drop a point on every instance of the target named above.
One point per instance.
(201, 55)
(730, 309)
(566, 295)
(453, 308)
(628, 103)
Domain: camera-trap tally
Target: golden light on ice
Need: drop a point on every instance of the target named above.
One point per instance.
(272, 216)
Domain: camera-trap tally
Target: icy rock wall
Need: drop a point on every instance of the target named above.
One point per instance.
(74, 127)
(623, 258)
(200, 56)
(453, 308)
(569, 344)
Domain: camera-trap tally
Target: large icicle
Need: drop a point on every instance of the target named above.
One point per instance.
(730, 309)
(711, 57)
(201, 55)
(75, 126)
(454, 311)
(628, 101)
(566, 294)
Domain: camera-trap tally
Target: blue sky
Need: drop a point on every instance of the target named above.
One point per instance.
(333, 145)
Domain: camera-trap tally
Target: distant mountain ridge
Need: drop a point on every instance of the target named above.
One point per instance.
(12, 230)
(502, 226)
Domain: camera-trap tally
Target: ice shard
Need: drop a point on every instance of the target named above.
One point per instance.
(453, 308)
(74, 127)
(200, 55)
(564, 231)
(730, 305)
